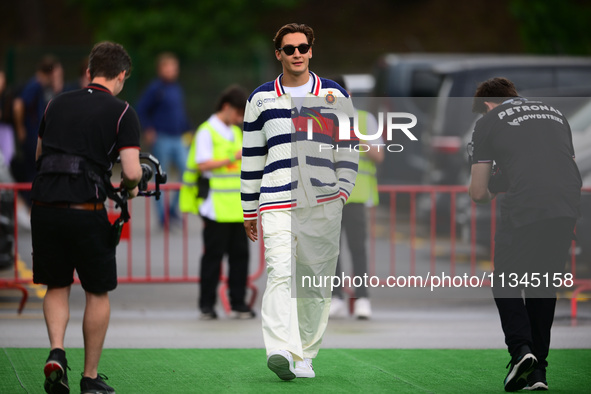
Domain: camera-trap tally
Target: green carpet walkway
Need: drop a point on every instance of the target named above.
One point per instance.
(337, 371)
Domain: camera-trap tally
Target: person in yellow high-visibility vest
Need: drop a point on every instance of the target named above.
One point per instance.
(211, 188)
(354, 222)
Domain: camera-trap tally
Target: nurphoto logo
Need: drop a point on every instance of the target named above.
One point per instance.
(392, 124)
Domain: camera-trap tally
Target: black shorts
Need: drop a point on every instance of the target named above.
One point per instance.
(65, 240)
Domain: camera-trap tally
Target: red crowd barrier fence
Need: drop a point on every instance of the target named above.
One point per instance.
(440, 212)
(145, 254)
(423, 214)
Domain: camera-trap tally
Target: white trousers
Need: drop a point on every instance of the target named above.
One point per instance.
(299, 242)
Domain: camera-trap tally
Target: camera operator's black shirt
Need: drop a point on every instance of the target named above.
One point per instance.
(91, 123)
(532, 145)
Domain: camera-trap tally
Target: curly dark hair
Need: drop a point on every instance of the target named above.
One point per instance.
(495, 90)
(108, 59)
(234, 95)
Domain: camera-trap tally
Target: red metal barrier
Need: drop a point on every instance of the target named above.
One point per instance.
(14, 281)
(394, 193)
(152, 262)
(177, 270)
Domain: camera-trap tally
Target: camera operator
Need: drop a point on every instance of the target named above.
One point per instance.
(80, 137)
(531, 143)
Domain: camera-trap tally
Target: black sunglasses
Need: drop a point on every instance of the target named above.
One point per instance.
(290, 49)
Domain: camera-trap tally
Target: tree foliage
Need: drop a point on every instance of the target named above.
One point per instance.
(194, 29)
(554, 26)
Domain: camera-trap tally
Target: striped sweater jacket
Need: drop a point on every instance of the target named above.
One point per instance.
(292, 155)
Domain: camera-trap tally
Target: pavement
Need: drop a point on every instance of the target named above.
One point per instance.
(165, 315)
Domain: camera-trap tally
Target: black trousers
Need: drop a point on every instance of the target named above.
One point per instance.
(354, 224)
(539, 248)
(221, 239)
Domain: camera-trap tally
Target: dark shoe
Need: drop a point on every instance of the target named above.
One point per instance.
(55, 370)
(208, 314)
(96, 385)
(522, 364)
(536, 381)
(242, 312)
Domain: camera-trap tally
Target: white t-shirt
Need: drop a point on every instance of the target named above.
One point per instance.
(298, 93)
(204, 152)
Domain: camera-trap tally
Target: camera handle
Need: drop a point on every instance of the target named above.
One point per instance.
(147, 174)
(120, 195)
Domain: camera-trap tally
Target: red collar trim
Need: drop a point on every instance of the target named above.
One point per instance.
(96, 86)
(316, 85)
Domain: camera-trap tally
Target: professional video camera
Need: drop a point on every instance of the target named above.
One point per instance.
(150, 169)
(148, 173)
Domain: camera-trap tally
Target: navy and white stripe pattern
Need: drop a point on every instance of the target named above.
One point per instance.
(281, 168)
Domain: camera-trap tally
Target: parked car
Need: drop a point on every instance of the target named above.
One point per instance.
(412, 83)
(580, 123)
(360, 85)
(444, 143)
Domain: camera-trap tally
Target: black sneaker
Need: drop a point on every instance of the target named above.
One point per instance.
(96, 385)
(522, 364)
(536, 381)
(242, 312)
(208, 314)
(56, 376)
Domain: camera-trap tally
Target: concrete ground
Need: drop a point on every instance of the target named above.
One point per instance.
(166, 316)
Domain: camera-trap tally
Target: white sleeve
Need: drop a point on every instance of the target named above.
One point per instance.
(254, 159)
(204, 151)
(346, 160)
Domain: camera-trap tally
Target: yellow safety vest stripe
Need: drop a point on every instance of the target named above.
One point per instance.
(366, 183)
(224, 184)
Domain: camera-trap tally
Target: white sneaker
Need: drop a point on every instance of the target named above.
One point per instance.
(537, 386)
(281, 362)
(362, 309)
(338, 308)
(304, 369)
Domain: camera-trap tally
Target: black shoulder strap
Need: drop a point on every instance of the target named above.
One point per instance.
(61, 164)
(77, 165)
(107, 187)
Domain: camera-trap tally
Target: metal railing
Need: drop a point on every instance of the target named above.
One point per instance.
(148, 255)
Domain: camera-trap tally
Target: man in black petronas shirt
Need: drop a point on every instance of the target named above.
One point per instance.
(81, 135)
(531, 144)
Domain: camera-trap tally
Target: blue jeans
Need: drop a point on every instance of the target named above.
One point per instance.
(169, 149)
